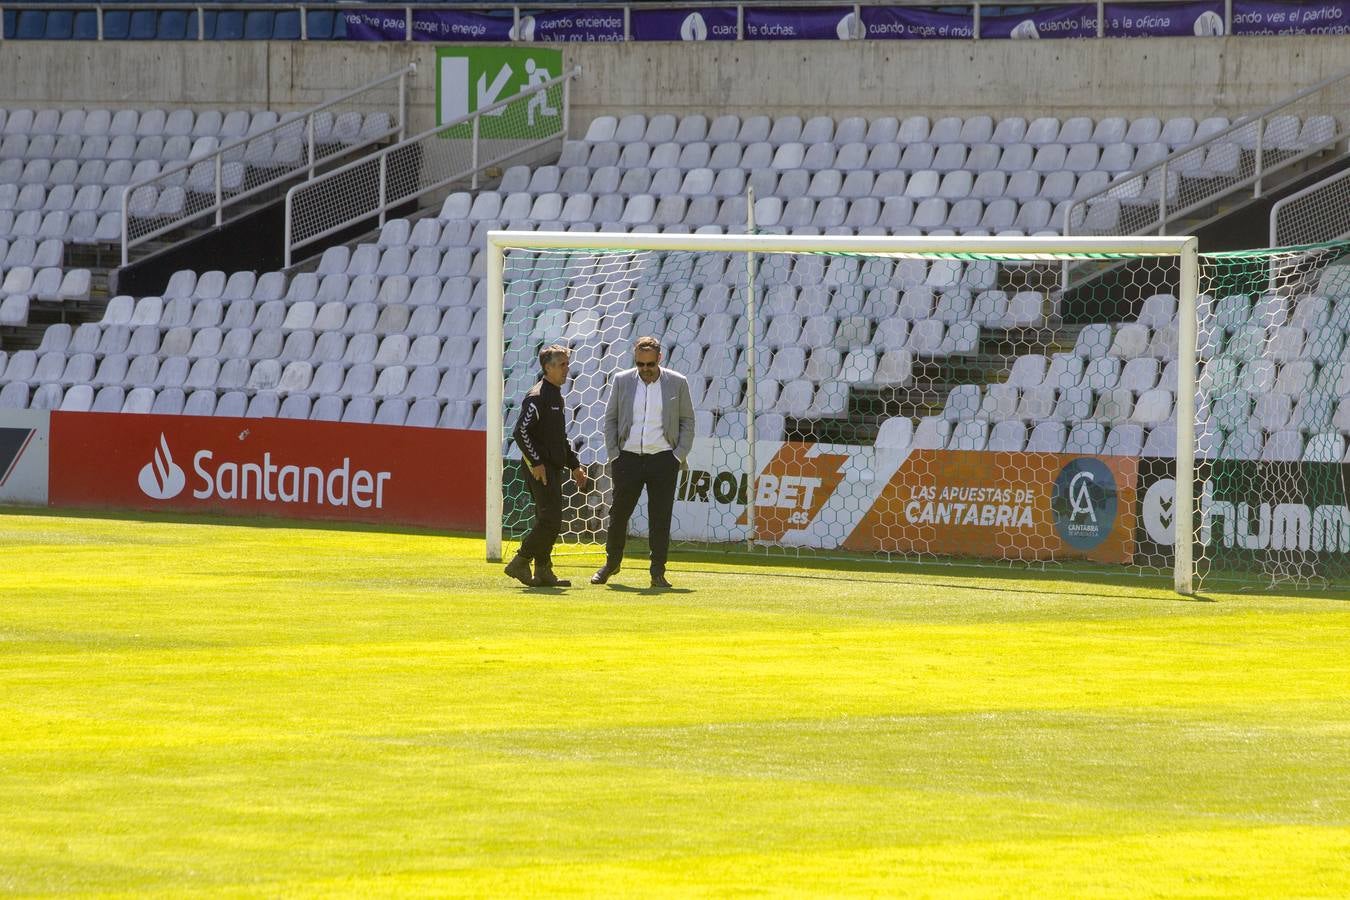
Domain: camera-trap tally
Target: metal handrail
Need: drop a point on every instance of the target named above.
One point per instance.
(381, 158)
(1325, 185)
(311, 159)
(1246, 122)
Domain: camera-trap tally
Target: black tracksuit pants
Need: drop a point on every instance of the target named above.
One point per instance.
(548, 509)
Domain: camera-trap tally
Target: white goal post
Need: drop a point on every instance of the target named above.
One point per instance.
(1014, 250)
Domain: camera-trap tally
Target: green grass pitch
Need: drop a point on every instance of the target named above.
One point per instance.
(191, 708)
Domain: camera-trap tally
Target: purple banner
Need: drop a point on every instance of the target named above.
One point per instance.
(806, 24)
(428, 25)
(1273, 17)
(712, 23)
(1171, 20)
(897, 23)
(1078, 21)
(570, 26)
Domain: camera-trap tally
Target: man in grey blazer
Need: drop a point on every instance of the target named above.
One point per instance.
(649, 430)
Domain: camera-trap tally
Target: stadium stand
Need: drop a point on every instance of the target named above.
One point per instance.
(390, 330)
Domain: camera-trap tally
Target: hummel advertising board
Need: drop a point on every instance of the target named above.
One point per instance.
(431, 477)
(1252, 515)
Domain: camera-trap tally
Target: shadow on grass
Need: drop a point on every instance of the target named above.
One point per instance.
(645, 591)
(181, 518)
(831, 566)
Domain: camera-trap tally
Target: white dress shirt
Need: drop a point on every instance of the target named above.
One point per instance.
(647, 435)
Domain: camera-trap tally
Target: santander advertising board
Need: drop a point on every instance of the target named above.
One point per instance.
(293, 469)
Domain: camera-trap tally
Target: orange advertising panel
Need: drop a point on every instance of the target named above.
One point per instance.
(1005, 505)
(431, 477)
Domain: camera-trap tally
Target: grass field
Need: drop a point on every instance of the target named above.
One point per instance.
(191, 709)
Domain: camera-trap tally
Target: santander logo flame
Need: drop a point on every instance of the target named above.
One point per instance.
(161, 478)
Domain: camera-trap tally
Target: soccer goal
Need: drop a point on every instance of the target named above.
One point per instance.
(1041, 401)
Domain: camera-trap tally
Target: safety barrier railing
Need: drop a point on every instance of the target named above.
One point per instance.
(1234, 160)
(1318, 214)
(215, 179)
(455, 151)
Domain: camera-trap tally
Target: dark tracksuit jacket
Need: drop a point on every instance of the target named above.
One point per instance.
(541, 435)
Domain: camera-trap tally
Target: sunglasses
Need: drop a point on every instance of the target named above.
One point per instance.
(650, 365)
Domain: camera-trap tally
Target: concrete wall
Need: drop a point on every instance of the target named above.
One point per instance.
(1163, 76)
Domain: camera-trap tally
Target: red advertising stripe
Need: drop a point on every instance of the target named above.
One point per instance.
(431, 477)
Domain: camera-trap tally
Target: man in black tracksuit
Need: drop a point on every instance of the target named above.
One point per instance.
(541, 435)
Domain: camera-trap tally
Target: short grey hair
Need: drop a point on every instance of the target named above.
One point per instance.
(551, 353)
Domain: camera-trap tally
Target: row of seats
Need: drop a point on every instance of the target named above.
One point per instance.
(894, 214)
(924, 337)
(1320, 344)
(173, 25)
(388, 346)
(424, 412)
(857, 157)
(161, 148)
(1121, 439)
(98, 122)
(1258, 375)
(950, 302)
(412, 318)
(1011, 436)
(1276, 411)
(919, 184)
(665, 127)
(820, 365)
(392, 340)
(68, 171)
(25, 251)
(338, 273)
(261, 152)
(69, 198)
(1083, 402)
(1065, 370)
(77, 228)
(48, 285)
(1328, 306)
(240, 373)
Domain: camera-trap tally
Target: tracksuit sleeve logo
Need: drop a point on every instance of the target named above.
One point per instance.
(162, 478)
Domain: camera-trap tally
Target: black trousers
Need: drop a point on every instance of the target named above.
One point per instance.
(548, 507)
(632, 472)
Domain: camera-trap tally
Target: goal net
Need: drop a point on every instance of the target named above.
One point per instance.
(1270, 482)
(985, 400)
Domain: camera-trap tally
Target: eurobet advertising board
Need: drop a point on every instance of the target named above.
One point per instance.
(383, 475)
(472, 78)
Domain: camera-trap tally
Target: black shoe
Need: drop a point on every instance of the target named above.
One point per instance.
(519, 569)
(603, 573)
(546, 578)
(659, 580)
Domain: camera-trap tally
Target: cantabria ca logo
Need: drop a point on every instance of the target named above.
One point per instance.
(1084, 503)
(162, 478)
